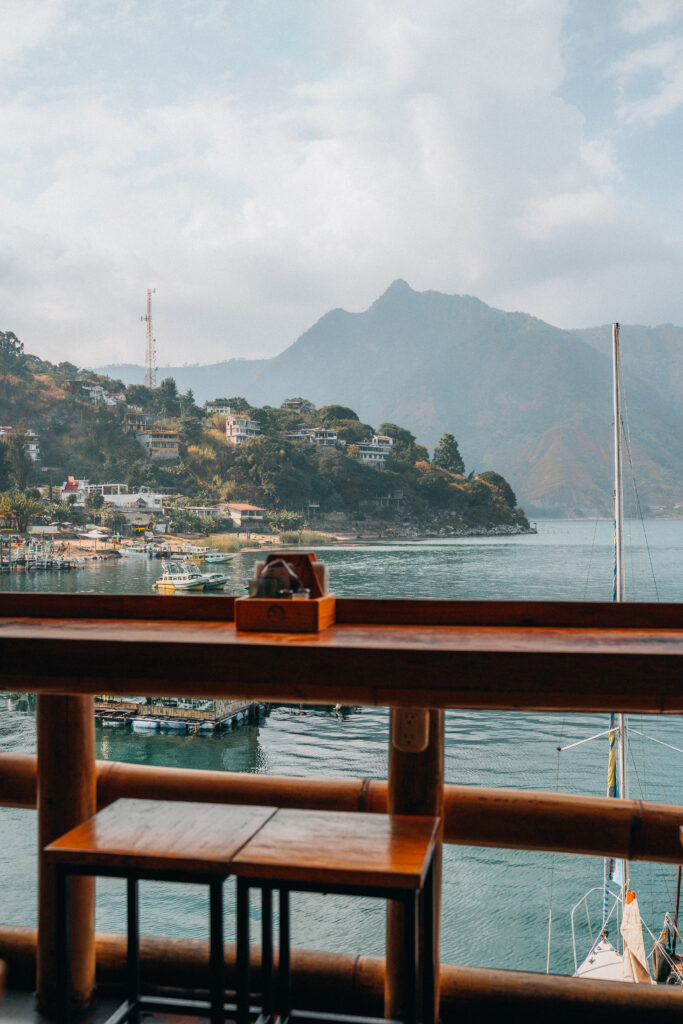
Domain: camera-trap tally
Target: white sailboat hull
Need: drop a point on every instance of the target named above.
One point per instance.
(603, 963)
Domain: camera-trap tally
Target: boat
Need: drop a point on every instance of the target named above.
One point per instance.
(132, 549)
(604, 961)
(216, 557)
(214, 580)
(145, 724)
(172, 725)
(179, 576)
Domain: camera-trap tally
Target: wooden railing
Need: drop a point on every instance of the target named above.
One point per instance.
(485, 655)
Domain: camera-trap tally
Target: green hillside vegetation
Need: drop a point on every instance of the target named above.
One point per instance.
(88, 440)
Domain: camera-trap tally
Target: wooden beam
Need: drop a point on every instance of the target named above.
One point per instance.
(354, 984)
(415, 786)
(472, 815)
(66, 796)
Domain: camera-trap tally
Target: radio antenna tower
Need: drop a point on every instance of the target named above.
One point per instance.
(151, 351)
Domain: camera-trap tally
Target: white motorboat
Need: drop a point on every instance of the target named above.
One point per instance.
(214, 580)
(179, 576)
(216, 557)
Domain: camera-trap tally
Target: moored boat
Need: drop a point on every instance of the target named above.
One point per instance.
(145, 724)
(214, 580)
(179, 576)
(217, 557)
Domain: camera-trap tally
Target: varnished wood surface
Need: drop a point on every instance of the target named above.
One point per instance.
(340, 848)
(503, 667)
(156, 835)
(354, 610)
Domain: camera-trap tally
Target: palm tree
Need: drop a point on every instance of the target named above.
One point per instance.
(20, 509)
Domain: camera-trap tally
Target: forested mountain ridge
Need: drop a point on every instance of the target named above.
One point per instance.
(531, 399)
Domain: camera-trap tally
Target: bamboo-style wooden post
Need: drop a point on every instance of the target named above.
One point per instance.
(415, 787)
(66, 796)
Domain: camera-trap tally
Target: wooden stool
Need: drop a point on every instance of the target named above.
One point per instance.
(169, 841)
(381, 855)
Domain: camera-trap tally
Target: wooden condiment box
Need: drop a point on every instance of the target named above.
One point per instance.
(284, 615)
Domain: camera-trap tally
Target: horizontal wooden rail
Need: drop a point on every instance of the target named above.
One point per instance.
(473, 816)
(353, 611)
(355, 984)
(538, 667)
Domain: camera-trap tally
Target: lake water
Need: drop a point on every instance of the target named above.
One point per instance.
(495, 902)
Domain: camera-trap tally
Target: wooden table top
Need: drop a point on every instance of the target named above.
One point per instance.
(340, 848)
(200, 838)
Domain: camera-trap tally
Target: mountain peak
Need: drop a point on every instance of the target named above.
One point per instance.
(398, 289)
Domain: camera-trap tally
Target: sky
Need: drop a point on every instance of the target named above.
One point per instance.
(260, 162)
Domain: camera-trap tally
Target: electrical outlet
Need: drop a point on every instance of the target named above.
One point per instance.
(410, 730)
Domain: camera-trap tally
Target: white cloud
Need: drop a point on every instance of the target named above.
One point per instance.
(277, 180)
(650, 81)
(642, 15)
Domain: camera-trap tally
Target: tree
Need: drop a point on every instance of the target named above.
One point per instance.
(138, 394)
(137, 475)
(238, 404)
(190, 429)
(20, 509)
(501, 485)
(4, 468)
(447, 455)
(114, 518)
(167, 397)
(12, 357)
(282, 519)
(20, 464)
(93, 503)
(331, 414)
(59, 511)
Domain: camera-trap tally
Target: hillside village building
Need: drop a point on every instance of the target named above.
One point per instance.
(31, 442)
(96, 393)
(217, 409)
(314, 435)
(376, 451)
(159, 444)
(117, 495)
(136, 420)
(239, 428)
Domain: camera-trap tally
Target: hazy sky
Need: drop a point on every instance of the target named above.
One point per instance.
(260, 162)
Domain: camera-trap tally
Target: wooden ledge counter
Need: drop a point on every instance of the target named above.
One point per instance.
(553, 664)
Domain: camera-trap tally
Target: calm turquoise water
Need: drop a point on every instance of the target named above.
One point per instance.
(495, 902)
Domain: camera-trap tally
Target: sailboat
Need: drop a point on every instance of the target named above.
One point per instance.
(620, 911)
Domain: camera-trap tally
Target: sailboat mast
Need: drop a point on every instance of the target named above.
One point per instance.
(619, 595)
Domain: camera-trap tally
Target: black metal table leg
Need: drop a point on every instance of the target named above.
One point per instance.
(242, 985)
(284, 971)
(266, 955)
(428, 963)
(133, 948)
(63, 945)
(216, 952)
(410, 958)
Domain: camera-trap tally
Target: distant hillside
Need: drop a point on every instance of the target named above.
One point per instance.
(527, 398)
